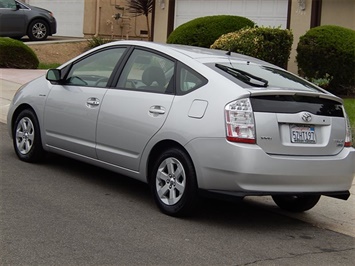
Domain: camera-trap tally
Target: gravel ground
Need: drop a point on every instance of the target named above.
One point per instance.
(58, 52)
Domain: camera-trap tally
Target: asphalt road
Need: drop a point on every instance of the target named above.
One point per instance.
(63, 212)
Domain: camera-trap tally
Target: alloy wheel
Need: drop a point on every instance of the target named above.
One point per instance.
(39, 30)
(170, 181)
(25, 135)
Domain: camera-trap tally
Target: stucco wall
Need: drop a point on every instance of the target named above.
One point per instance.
(334, 12)
(300, 21)
(161, 21)
(339, 12)
(98, 20)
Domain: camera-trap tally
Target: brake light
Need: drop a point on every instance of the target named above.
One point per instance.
(240, 125)
(348, 135)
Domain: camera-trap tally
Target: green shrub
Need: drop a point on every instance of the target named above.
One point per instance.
(97, 41)
(349, 104)
(15, 54)
(204, 31)
(328, 50)
(269, 44)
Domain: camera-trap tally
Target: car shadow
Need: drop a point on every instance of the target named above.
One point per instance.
(246, 214)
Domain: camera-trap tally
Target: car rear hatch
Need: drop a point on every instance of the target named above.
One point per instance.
(297, 123)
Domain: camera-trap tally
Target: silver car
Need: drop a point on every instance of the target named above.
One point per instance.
(189, 122)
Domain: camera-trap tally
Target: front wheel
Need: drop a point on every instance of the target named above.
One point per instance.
(38, 30)
(296, 203)
(173, 183)
(26, 137)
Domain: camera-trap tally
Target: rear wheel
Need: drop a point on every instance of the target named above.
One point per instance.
(38, 30)
(173, 183)
(296, 203)
(26, 137)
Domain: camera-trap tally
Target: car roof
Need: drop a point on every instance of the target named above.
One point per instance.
(203, 55)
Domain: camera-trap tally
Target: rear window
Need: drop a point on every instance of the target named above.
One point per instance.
(295, 104)
(276, 78)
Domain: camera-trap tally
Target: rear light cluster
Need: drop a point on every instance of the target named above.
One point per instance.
(240, 123)
(348, 136)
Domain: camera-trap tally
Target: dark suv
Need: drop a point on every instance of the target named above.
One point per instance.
(18, 19)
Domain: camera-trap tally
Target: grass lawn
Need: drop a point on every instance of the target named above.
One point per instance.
(349, 104)
(48, 66)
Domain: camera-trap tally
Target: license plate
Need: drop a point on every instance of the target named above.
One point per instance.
(303, 134)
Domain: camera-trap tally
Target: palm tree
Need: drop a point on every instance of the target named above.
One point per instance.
(141, 7)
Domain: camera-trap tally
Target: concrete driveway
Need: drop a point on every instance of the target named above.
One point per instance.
(10, 81)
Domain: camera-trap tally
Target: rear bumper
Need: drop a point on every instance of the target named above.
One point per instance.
(244, 169)
(230, 195)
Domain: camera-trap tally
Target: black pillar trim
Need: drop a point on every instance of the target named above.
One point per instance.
(152, 22)
(316, 13)
(289, 9)
(171, 17)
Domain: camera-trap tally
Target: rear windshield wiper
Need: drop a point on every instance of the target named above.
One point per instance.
(244, 76)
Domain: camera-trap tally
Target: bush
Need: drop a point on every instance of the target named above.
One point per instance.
(328, 51)
(269, 44)
(97, 41)
(204, 31)
(15, 54)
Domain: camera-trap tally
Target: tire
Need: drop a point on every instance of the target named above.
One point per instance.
(173, 183)
(38, 30)
(296, 203)
(26, 137)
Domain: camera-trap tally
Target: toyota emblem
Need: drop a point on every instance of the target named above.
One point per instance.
(306, 117)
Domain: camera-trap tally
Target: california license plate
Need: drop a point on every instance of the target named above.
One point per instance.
(303, 134)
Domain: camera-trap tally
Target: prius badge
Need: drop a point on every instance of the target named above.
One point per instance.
(306, 117)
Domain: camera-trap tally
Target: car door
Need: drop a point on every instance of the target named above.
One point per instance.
(72, 108)
(12, 19)
(131, 114)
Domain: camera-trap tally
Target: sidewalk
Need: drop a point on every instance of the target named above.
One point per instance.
(10, 81)
(333, 214)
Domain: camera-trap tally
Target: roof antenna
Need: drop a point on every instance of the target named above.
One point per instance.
(229, 52)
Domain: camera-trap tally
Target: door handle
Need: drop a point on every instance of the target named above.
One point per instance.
(92, 102)
(157, 110)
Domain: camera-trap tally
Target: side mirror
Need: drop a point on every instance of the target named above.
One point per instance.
(53, 75)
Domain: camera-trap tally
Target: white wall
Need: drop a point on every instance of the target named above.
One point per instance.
(68, 13)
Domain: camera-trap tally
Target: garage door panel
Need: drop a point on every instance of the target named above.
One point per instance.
(236, 5)
(251, 8)
(267, 8)
(263, 12)
(68, 13)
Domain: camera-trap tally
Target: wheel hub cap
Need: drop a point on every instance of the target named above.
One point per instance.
(170, 181)
(24, 135)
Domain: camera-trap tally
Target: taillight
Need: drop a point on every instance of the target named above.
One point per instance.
(348, 136)
(240, 124)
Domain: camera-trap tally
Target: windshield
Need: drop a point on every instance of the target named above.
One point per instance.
(272, 77)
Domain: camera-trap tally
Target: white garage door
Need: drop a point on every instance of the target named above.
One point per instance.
(263, 12)
(68, 13)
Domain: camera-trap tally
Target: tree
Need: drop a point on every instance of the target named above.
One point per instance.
(141, 7)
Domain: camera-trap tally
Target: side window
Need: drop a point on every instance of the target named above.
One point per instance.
(7, 4)
(147, 71)
(189, 80)
(96, 69)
